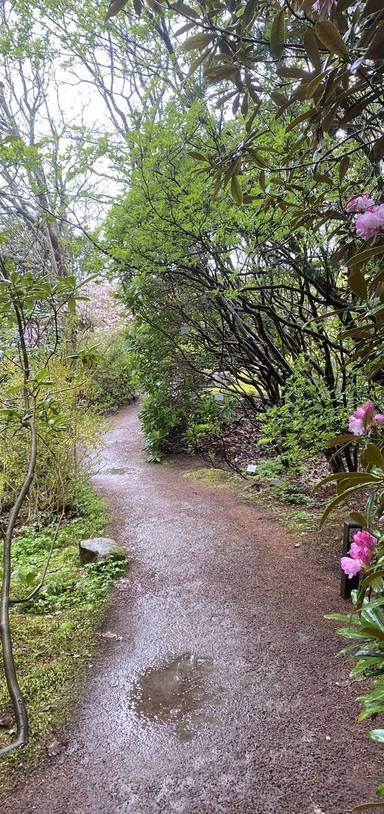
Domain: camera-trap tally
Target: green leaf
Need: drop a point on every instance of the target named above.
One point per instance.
(114, 7)
(236, 190)
(196, 42)
(377, 151)
(362, 257)
(331, 38)
(337, 500)
(198, 156)
(186, 10)
(357, 282)
(349, 633)
(313, 86)
(375, 48)
(278, 35)
(343, 167)
(373, 455)
(312, 48)
(359, 518)
(337, 440)
(340, 617)
(195, 64)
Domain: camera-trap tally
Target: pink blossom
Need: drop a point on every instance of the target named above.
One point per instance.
(364, 538)
(360, 203)
(370, 222)
(363, 419)
(324, 7)
(356, 425)
(350, 567)
(381, 519)
(367, 410)
(360, 552)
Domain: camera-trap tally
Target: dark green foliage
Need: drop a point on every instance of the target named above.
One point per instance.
(111, 382)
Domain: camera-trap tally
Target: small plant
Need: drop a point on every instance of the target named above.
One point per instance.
(270, 469)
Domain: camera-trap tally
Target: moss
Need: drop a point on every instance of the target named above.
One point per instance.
(54, 636)
(211, 476)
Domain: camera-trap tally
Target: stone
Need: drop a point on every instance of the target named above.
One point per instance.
(56, 746)
(100, 548)
(251, 469)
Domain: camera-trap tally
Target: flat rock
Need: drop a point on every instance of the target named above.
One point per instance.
(100, 548)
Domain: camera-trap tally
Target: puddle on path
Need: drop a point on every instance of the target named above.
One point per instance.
(116, 470)
(175, 694)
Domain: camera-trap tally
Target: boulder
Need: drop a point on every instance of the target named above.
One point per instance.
(100, 548)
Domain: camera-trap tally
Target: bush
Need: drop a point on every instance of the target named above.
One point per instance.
(109, 367)
(67, 430)
(301, 424)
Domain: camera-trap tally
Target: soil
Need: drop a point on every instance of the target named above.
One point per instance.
(216, 689)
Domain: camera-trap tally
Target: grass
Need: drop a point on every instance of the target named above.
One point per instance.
(211, 476)
(54, 635)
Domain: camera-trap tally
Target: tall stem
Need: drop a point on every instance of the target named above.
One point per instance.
(15, 694)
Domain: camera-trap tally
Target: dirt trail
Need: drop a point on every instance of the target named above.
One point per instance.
(221, 696)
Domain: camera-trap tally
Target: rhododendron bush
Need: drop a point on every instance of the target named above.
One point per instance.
(363, 628)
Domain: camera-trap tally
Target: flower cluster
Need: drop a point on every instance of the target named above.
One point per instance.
(360, 553)
(360, 203)
(369, 220)
(364, 419)
(324, 7)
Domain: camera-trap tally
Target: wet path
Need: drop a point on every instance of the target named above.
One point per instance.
(219, 693)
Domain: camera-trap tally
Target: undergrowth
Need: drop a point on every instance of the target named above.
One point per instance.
(54, 634)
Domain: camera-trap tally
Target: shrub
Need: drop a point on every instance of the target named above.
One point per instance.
(300, 425)
(109, 367)
(67, 430)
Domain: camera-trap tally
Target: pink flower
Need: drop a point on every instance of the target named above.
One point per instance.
(363, 419)
(381, 519)
(360, 552)
(324, 7)
(370, 222)
(360, 203)
(367, 410)
(350, 567)
(356, 425)
(364, 538)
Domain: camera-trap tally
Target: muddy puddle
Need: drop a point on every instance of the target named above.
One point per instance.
(176, 694)
(116, 470)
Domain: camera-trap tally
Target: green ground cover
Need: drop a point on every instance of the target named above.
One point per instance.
(55, 633)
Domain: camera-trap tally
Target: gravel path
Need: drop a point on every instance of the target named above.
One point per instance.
(220, 692)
